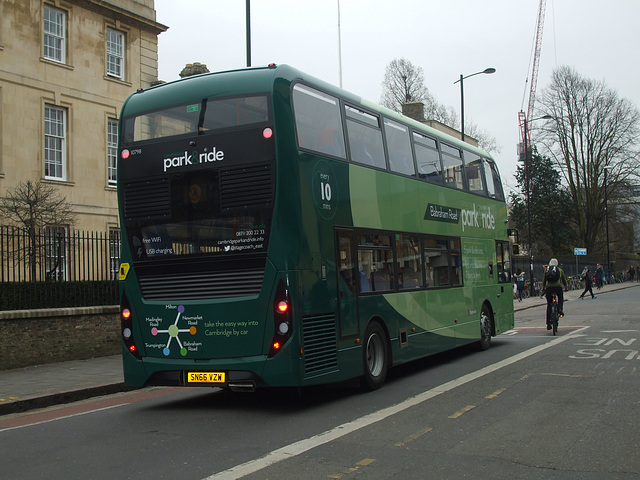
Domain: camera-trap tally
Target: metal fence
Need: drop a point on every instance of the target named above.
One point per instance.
(573, 267)
(58, 267)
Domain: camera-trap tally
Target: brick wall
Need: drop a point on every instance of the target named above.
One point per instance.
(34, 337)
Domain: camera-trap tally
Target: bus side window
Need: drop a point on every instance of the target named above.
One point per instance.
(494, 186)
(436, 261)
(329, 143)
(503, 262)
(399, 148)
(375, 263)
(456, 262)
(409, 266)
(365, 138)
(473, 167)
(452, 164)
(318, 121)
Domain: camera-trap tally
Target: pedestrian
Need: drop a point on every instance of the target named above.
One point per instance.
(520, 281)
(599, 276)
(586, 276)
(632, 273)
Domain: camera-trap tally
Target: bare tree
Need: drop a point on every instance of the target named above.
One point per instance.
(33, 206)
(404, 82)
(593, 133)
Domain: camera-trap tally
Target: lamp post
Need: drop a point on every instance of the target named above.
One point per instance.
(527, 172)
(461, 80)
(248, 30)
(606, 218)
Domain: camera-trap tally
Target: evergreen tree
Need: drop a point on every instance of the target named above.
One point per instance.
(552, 211)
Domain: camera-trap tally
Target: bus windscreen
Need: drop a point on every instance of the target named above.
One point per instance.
(197, 117)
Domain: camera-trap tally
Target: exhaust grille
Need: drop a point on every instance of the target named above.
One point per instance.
(320, 344)
(144, 199)
(246, 187)
(201, 285)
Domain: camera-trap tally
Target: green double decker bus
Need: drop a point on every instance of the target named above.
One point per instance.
(279, 231)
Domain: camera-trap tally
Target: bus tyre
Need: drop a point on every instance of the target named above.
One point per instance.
(375, 357)
(486, 327)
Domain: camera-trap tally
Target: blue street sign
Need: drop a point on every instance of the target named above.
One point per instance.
(579, 251)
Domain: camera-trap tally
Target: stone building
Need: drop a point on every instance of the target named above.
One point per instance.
(415, 110)
(66, 67)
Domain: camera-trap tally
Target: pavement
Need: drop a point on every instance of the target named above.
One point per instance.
(28, 388)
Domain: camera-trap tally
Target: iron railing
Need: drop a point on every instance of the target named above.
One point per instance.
(57, 267)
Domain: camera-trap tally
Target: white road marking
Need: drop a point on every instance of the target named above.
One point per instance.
(304, 445)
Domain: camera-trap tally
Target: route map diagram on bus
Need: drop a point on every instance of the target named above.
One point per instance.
(173, 332)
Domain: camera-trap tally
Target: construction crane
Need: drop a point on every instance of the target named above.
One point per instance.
(525, 138)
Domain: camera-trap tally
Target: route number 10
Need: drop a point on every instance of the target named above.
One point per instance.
(325, 191)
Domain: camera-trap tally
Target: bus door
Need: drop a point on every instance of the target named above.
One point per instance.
(347, 283)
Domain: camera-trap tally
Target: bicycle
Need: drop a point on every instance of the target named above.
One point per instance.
(555, 314)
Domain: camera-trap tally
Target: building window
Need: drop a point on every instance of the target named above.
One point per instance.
(54, 34)
(112, 150)
(54, 142)
(115, 54)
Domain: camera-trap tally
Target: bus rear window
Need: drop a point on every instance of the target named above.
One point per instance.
(197, 117)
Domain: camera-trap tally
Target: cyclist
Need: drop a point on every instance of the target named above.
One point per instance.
(554, 281)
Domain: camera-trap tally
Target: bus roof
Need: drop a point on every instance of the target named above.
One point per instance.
(259, 80)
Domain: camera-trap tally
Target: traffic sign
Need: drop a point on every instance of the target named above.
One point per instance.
(579, 251)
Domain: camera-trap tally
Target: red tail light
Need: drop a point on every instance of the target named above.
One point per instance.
(282, 307)
(126, 324)
(282, 317)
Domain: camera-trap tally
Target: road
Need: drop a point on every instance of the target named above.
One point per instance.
(534, 406)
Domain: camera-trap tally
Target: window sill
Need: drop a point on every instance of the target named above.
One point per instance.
(118, 81)
(57, 64)
(58, 181)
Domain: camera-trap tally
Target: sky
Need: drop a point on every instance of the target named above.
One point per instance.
(599, 39)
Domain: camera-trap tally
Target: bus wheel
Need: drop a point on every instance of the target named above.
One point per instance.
(375, 357)
(486, 324)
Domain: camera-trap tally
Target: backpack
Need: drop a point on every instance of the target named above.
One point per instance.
(552, 274)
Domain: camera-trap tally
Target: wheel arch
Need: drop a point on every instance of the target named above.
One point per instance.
(378, 319)
(492, 313)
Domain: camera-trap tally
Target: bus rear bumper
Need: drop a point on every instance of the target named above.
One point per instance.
(236, 380)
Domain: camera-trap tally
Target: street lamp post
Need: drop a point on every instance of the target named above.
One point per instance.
(527, 179)
(461, 81)
(606, 219)
(248, 30)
